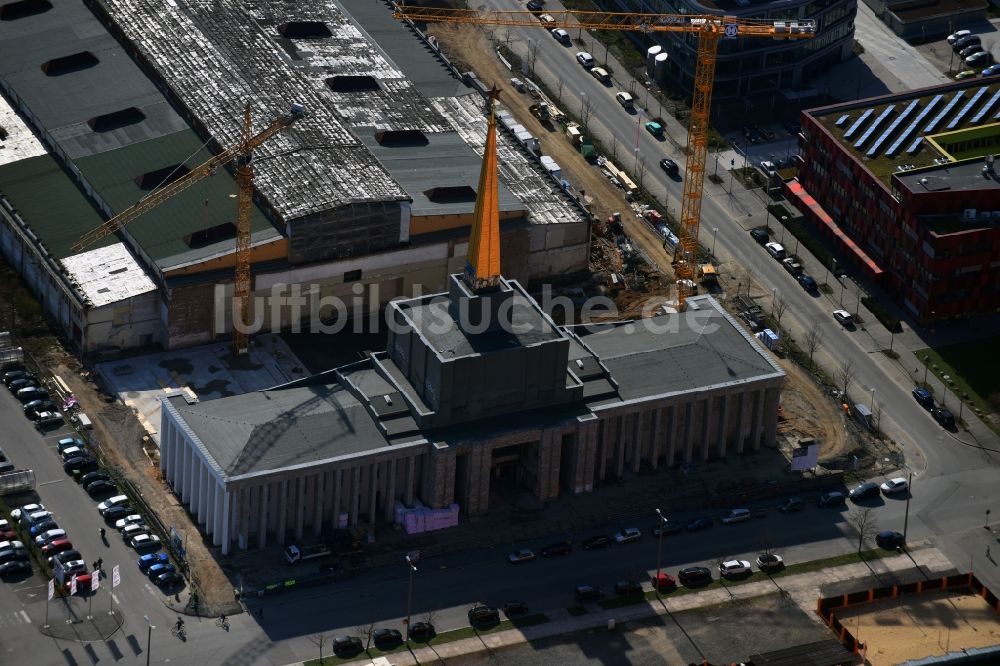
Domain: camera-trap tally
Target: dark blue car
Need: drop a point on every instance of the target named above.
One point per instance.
(923, 396)
(159, 568)
(808, 283)
(147, 561)
(697, 524)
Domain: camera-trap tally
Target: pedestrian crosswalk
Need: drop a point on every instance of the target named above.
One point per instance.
(14, 619)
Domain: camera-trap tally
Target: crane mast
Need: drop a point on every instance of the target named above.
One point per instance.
(710, 29)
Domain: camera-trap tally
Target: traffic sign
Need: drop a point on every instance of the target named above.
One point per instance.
(52, 588)
(95, 581)
(72, 585)
(731, 30)
(116, 577)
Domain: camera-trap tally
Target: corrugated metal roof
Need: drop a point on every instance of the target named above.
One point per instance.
(108, 274)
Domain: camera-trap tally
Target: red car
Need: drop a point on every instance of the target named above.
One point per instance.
(7, 535)
(82, 584)
(57, 546)
(665, 581)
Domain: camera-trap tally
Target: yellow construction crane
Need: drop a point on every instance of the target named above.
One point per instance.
(242, 152)
(709, 28)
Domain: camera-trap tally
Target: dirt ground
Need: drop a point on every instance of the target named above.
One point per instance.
(470, 49)
(806, 412)
(897, 630)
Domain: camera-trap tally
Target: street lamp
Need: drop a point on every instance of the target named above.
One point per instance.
(873, 401)
(635, 169)
(149, 636)
(774, 294)
(715, 230)
(909, 493)
(659, 549)
(409, 598)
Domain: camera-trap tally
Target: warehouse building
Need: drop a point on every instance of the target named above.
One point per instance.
(749, 68)
(368, 196)
(478, 385)
(907, 190)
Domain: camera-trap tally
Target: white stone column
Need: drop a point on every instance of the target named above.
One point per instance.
(338, 480)
(300, 506)
(283, 512)
(319, 496)
(224, 534)
(262, 518)
(211, 486)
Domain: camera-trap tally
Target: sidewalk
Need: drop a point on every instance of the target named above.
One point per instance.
(803, 588)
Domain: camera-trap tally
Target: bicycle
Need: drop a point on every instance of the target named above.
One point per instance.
(222, 622)
(179, 632)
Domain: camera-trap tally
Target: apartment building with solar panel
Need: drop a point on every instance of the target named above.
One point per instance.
(907, 188)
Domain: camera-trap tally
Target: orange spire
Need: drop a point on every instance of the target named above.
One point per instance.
(482, 262)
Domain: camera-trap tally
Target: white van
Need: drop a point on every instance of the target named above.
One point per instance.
(625, 99)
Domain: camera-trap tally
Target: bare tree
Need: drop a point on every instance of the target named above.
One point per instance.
(559, 89)
(533, 45)
(845, 376)
(366, 630)
(614, 147)
(640, 171)
(779, 307)
(585, 104)
(813, 340)
(865, 524)
(319, 640)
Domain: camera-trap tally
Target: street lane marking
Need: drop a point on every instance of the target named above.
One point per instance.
(49, 483)
(25, 616)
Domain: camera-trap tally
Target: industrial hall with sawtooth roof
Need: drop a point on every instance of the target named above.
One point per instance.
(478, 386)
(368, 197)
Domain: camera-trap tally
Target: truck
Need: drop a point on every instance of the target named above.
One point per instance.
(708, 273)
(299, 553)
(18, 481)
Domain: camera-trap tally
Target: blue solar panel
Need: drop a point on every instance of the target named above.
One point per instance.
(965, 109)
(894, 148)
(843, 119)
(907, 112)
(915, 145)
(986, 109)
(858, 123)
(932, 125)
(875, 125)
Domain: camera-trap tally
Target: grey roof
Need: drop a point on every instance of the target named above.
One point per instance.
(962, 176)
(674, 353)
(430, 316)
(280, 428)
(445, 161)
(115, 83)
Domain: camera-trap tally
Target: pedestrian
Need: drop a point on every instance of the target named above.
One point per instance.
(260, 612)
(100, 564)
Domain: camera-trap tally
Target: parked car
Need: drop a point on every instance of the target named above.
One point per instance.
(923, 396)
(168, 579)
(386, 639)
(969, 50)
(694, 576)
(844, 318)
(808, 283)
(736, 516)
(65, 556)
(71, 452)
(152, 559)
(57, 546)
(15, 567)
(70, 443)
(654, 128)
(79, 465)
(82, 583)
(132, 519)
(669, 166)
(29, 393)
(585, 59)
(21, 383)
(145, 541)
(760, 235)
(47, 537)
(515, 608)
(21, 514)
(48, 419)
(896, 485)
(90, 477)
(98, 488)
(889, 540)
(14, 375)
(628, 535)
(116, 512)
(667, 527)
(732, 568)
(965, 40)
(992, 70)
(626, 588)
(600, 541)
(775, 250)
(11, 554)
(160, 568)
(957, 35)
(534, 5)
(43, 526)
(770, 562)
(699, 524)
(981, 59)
(834, 498)
(863, 490)
(347, 646)
(117, 500)
(422, 631)
(793, 267)
(559, 548)
(135, 529)
(588, 593)
(664, 582)
(944, 416)
(480, 615)
(965, 74)
(561, 36)
(544, 18)
(518, 556)
(34, 407)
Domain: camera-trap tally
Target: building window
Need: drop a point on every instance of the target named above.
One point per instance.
(352, 276)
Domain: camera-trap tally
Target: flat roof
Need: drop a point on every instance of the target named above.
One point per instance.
(954, 177)
(107, 274)
(17, 142)
(888, 134)
(425, 169)
(104, 81)
(913, 10)
(430, 317)
(116, 175)
(676, 353)
(281, 428)
(50, 203)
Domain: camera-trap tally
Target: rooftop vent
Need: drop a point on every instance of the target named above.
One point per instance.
(116, 120)
(160, 177)
(401, 138)
(349, 84)
(205, 237)
(15, 10)
(459, 194)
(70, 63)
(304, 30)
